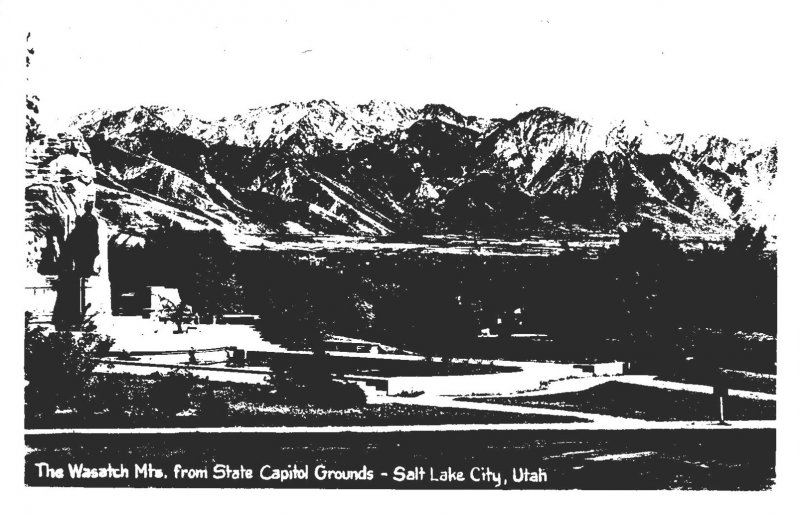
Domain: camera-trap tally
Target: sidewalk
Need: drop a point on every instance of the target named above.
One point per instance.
(651, 381)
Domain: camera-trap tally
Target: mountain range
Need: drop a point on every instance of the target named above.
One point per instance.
(383, 169)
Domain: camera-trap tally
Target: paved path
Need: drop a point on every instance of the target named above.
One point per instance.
(569, 385)
(651, 381)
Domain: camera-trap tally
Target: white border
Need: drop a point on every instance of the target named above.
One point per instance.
(774, 88)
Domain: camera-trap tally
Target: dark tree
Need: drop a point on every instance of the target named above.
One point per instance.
(747, 242)
(293, 320)
(428, 317)
(170, 394)
(200, 264)
(746, 282)
(735, 287)
(648, 269)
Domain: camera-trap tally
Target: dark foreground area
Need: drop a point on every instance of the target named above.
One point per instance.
(740, 459)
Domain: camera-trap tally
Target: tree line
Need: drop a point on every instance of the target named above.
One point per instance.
(646, 291)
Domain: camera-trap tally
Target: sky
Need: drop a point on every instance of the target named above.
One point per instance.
(717, 67)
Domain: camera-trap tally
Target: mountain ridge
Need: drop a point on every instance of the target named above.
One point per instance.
(381, 168)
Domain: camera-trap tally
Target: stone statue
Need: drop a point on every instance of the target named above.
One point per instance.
(84, 242)
(76, 264)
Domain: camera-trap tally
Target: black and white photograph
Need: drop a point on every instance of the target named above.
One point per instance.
(400, 246)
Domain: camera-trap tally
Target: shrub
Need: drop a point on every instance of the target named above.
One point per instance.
(57, 368)
(312, 384)
(170, 394)
(211, 405)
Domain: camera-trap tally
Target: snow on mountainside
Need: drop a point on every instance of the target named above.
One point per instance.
(341, 127)
(380, 167)
(525, 144)
(706, 182)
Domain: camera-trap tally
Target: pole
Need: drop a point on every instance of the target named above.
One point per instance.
(721, 410)
(82, 292)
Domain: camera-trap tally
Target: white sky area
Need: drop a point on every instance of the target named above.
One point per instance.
(715, 67)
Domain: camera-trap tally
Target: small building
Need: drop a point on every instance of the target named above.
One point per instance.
(145, 301)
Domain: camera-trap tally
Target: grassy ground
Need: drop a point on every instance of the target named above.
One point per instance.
(747, 381)
(280, 415)
(642, 402)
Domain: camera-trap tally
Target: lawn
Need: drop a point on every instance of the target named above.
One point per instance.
(643, 402)
(735, 379)
(384, 414)
(284, 415)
